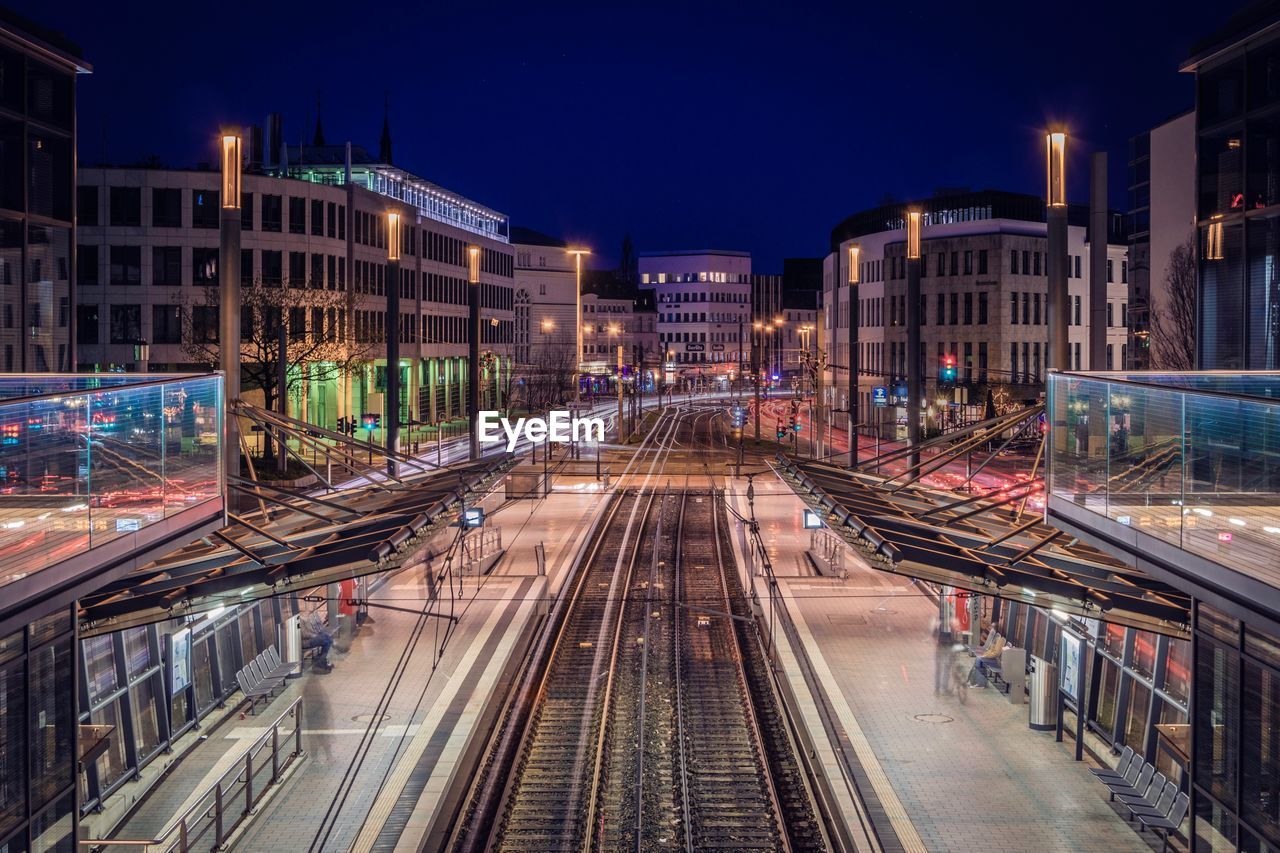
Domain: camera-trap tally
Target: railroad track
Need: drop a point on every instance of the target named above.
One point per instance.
(648, 719)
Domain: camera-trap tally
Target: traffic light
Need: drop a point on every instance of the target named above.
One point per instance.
(371, 421)
(948, 368)
(782, 432)
(342, 426)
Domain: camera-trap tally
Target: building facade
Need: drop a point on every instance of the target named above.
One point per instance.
(38, 71)
(703, 300)
(314, 260)
(984, 288)
(1162, 222)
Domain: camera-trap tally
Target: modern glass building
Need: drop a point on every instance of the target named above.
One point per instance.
(1179, 475)
(37, 193)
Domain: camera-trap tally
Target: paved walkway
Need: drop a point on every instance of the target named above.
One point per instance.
(949, 776)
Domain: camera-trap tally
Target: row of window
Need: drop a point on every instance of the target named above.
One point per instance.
(701, 317)
(690, 277)
(694, 337)
(1021, 262)
(701, 296)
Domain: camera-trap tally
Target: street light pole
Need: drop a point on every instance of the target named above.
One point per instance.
(391, 436)
(915, 375)
(229, 299)
(577, 322)
(854, 278)
(757, 331)
(473, 367)
(1056, 214)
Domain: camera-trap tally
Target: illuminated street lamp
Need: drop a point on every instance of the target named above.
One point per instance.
(577, 253)
(229, 297)
(1056, 216)
(853, 278)
(915, 371)
(473, 352)
(391, 438)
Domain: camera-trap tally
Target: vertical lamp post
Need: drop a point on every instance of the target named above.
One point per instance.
(614, 331)
(473, 356)
(577, 321)
(229, 299)
(1056, 214)
(757, 331)
(1097, 344)
(392, 434)
(853, 278)
(915, 375)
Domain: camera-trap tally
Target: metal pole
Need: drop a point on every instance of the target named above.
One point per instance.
(282, 386)
(1057, 263)
(755, 370)
(619, 384)
(577, 326)
(229, 334)
(392, 405)
(1097, 345)
(473, 373)
(915, 373)
(854, 369)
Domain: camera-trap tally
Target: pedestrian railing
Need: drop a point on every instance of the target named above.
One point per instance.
(222, 807)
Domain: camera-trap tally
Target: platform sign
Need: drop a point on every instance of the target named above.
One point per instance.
(900, 390)
(880, 396)
(180, 660)
(812, 521)
(472, 516)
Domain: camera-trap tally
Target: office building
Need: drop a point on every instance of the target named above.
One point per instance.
(1162, 243)
(984, 283)
(703, 298)
(314, 241)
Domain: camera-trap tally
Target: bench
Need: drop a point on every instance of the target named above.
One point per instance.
(261, 677)
(1155, 801)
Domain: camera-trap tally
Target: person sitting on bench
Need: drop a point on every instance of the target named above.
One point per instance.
(990, 657)
(316, 636)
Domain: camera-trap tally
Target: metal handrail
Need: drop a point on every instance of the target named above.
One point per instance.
(213, 807)
(1123, 379)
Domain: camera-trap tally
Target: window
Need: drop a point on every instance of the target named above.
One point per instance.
(87, 266)
(955, 308)
(246, 211)
(86, 324)
(1013, 261)
(1110, 315)
(126, 324)
(204, 266)
(1026, 262)
(982, 262)
(1124, 272)
(317, 218)
(1036, 267)
(166, 266)
(204, 324)
(317, 271)
(955, 264)
(1026, 309)
(166, 207)
(982, 308)
(968, 262)
(1110, 356)
(126, 205)
(1077, 266)
(968, 309)
(1013, 315)
(1079, 301)
(272, 268)
(1036, 314)
(87, 205)
(204, 209)
(166, 324)
(297, 215)
(1110, 271)
(297, 269)
(126, 265)
(272, 213)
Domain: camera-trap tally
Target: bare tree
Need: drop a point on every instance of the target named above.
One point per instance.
(1173, 326)
(318, 338)
(548, 377)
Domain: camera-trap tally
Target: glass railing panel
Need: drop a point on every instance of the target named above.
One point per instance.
(127, 464)
(1144, 472)
(44, 484)
(1233, 483)
(1078, 441)
(191, 440)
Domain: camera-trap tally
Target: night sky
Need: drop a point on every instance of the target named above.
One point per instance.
(738, 125)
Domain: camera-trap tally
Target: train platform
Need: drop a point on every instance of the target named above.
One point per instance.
(935, 774)
(367, 783)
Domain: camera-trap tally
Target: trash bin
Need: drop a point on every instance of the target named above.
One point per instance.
(1043, 697)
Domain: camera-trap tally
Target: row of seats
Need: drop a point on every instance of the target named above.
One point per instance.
(1154, 800)
(987, 659)
(263, 676)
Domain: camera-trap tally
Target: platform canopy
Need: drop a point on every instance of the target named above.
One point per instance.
(293, 541)
(994, 546)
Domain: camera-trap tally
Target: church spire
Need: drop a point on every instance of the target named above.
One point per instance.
(384, 146)
(318, 139)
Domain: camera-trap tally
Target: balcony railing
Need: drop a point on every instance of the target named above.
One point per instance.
(1192, 459)
(87, 459)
